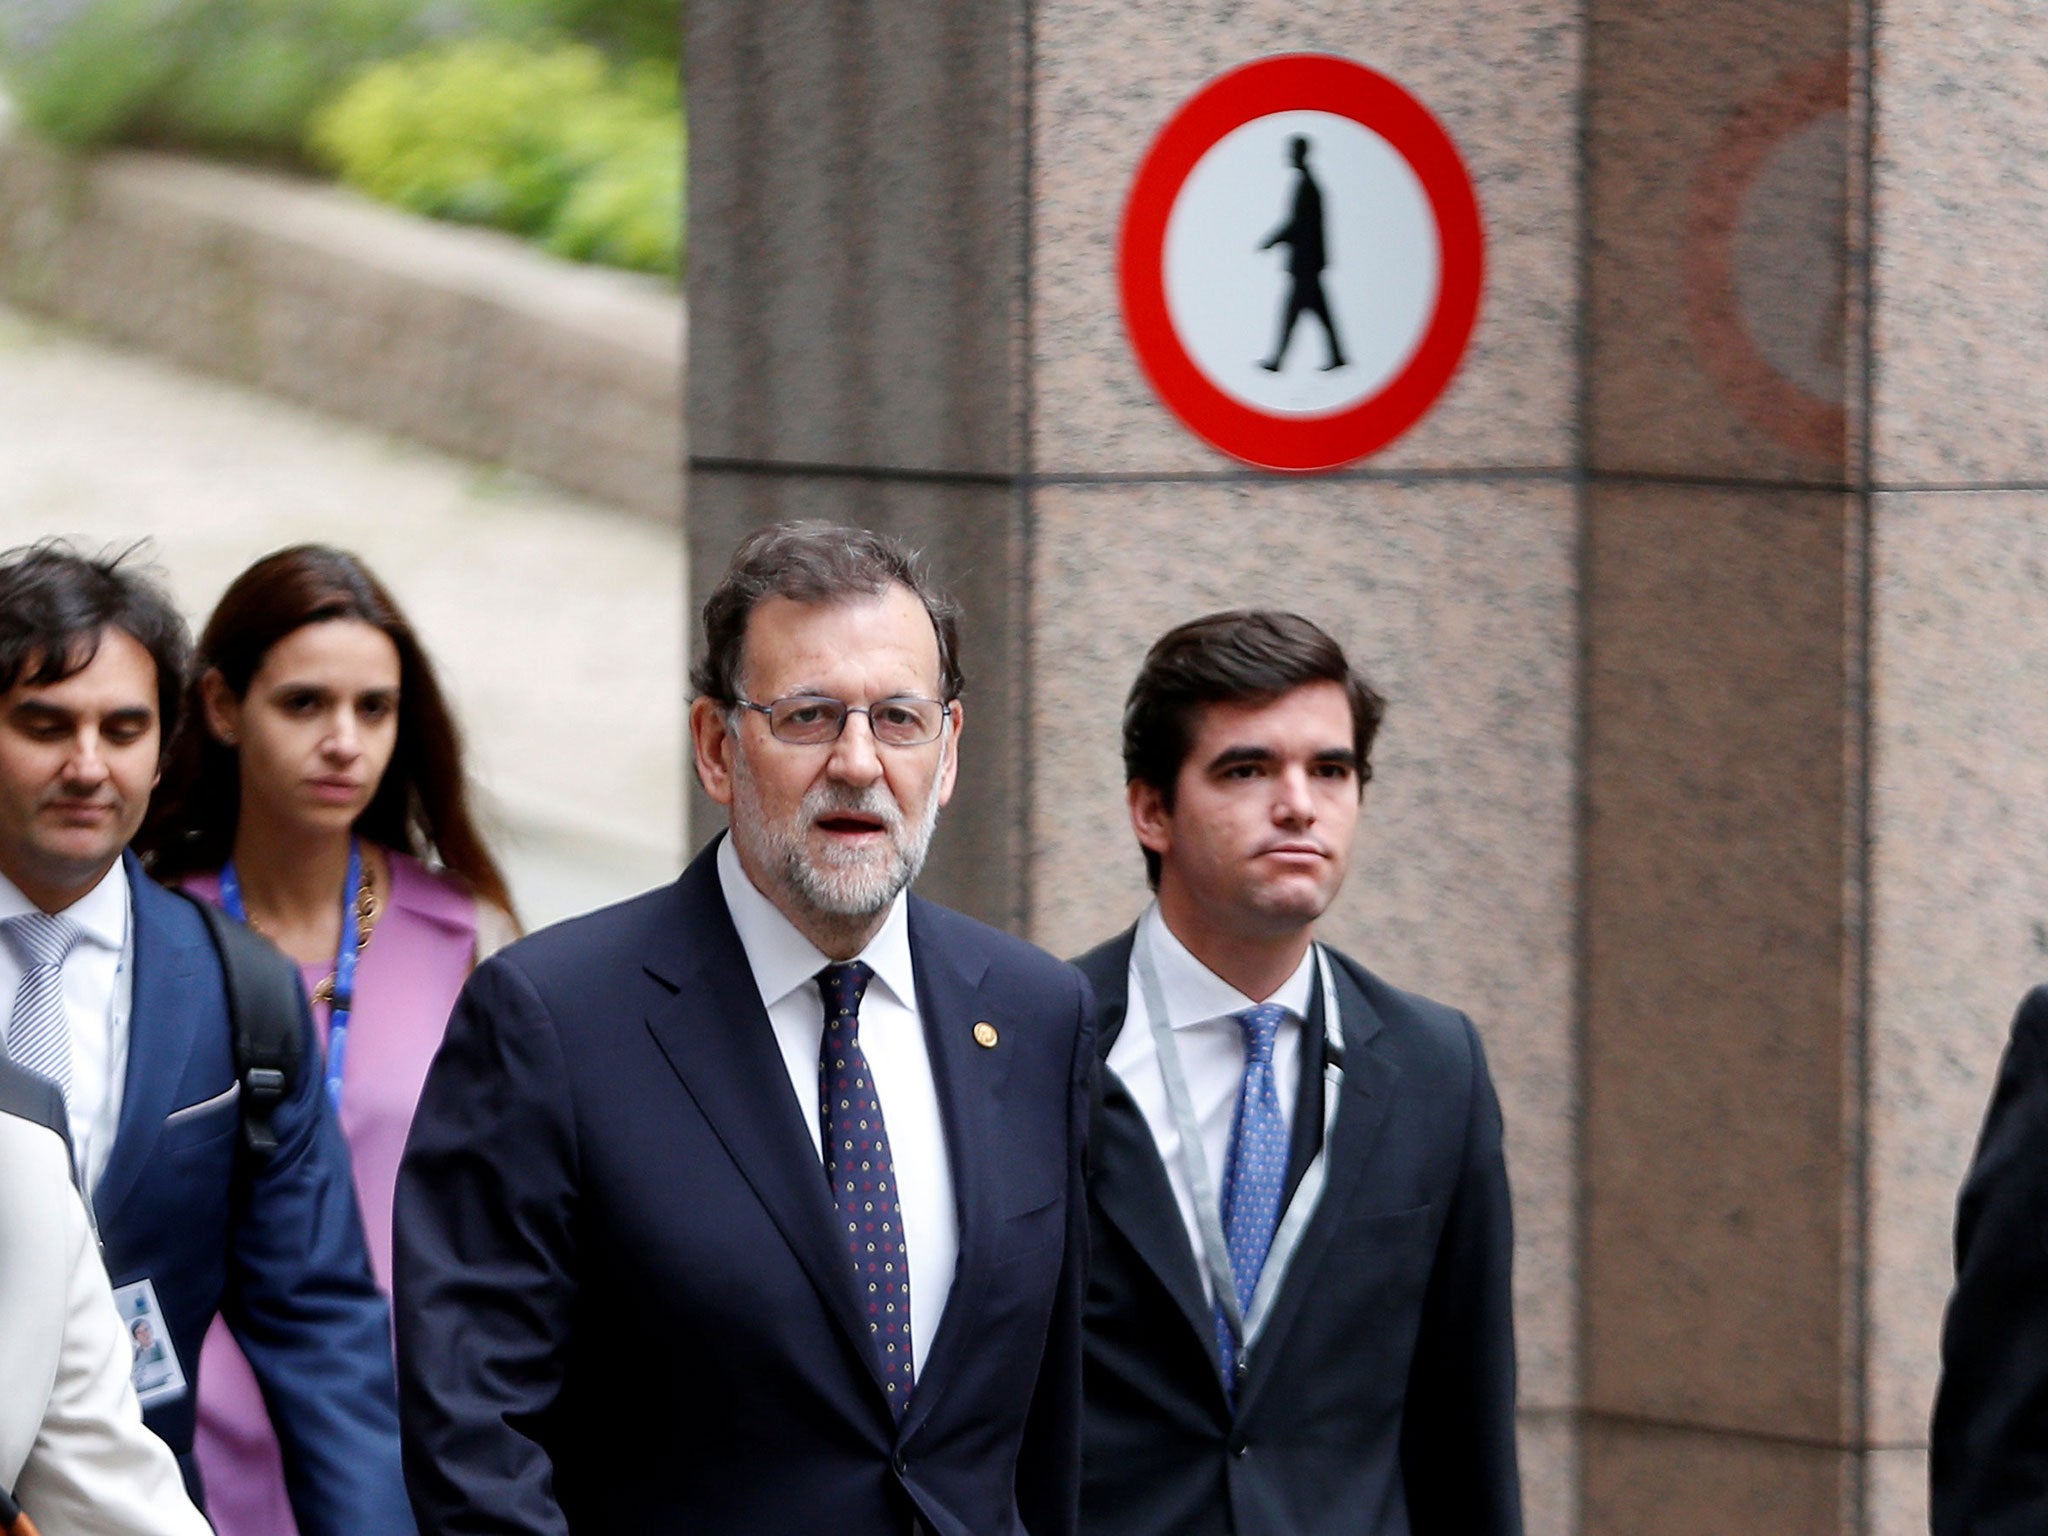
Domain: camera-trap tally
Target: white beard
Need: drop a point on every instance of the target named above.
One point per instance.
(854, 883)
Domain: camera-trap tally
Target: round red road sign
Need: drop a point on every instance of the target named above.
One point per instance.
(1301, 262)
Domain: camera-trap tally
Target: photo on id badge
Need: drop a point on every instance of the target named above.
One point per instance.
(158, 1377)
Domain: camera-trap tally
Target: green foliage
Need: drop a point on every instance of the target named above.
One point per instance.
(624, 29)
(246, 76)
(547, 141)
(260, 68)
(557, 119)
(238, 75)
(79, 73)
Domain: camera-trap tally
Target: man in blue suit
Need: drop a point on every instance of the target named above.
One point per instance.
(111, 988)
(1299, 1313)
(752, 1206)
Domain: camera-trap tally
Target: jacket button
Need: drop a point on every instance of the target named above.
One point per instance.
(901, 1463)
(1238, 1444)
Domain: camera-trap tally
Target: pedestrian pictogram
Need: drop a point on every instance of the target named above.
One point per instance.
(1307, 254)
(1301, 262)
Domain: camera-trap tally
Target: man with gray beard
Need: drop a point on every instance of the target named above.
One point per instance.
(753, 1205)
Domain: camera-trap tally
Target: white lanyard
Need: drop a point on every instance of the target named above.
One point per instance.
(1245, 1327)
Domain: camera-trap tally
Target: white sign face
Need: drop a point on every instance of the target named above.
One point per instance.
(1337, 302)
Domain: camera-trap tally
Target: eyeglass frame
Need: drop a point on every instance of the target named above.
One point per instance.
(847, 712)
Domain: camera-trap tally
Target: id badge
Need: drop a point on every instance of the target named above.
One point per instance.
(157, 1374)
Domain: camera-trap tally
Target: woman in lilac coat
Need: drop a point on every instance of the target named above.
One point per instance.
(317, 794)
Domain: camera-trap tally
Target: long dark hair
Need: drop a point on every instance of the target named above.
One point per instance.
(422, 803)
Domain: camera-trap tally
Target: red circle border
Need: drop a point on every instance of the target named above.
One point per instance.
(1297, 82)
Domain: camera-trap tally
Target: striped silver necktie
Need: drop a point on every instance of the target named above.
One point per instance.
(39, 1037)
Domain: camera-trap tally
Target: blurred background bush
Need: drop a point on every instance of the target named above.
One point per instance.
(552, 142)
(560, 120)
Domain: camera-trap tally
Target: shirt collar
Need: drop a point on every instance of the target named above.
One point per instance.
(1194, 994)
(101, 913)
(782, 959)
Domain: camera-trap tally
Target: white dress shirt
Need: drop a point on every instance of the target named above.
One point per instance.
(99, 987)
(1199, 1005)
(785, 966)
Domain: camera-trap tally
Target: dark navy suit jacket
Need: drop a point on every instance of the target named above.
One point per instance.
(623, 1302)
(1381, 1397)
(1989, 1452)
(275, 1244)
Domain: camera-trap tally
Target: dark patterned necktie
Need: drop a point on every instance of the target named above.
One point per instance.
(862, 1177)
(1255, 1173)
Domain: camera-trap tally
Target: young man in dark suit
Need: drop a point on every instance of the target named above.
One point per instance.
(110, 987)
(1298, 1316)
(752, 1206)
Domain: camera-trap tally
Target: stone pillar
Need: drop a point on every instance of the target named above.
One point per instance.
(1724, 776)
(1957, 594)
(1814, 768)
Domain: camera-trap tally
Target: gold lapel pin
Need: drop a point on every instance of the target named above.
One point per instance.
(985, 1035)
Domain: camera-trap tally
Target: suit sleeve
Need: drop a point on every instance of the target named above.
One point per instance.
(94, 1469)
(1458, 1437)
(1049, 1464)
(312, 1323)
(484, 1266)
(1989, 1448)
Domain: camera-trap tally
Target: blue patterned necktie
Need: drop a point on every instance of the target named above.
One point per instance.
(39, 1036)
(862, 1177)
(1254, 1175)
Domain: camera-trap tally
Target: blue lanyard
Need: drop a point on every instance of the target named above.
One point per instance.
(344, 959)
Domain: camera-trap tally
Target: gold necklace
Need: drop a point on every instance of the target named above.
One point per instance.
(368, 909)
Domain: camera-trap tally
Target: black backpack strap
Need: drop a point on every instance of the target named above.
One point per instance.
(263, 1013)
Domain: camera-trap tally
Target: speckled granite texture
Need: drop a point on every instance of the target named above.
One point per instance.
(856, 234)
(1643, 1478)
(1961, 188)
(1959, 925)
(1716, 1146)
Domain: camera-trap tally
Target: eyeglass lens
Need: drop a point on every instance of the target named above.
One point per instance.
(805, 721)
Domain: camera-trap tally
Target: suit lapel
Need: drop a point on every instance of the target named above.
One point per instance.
(164, 1019)
(1131, 1189)
(718, 1040)
(1127, 1179)
(1370, 1082)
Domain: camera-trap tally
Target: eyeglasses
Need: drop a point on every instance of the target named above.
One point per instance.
(812, 720)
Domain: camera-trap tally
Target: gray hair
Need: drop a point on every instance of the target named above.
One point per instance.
(815, 562)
